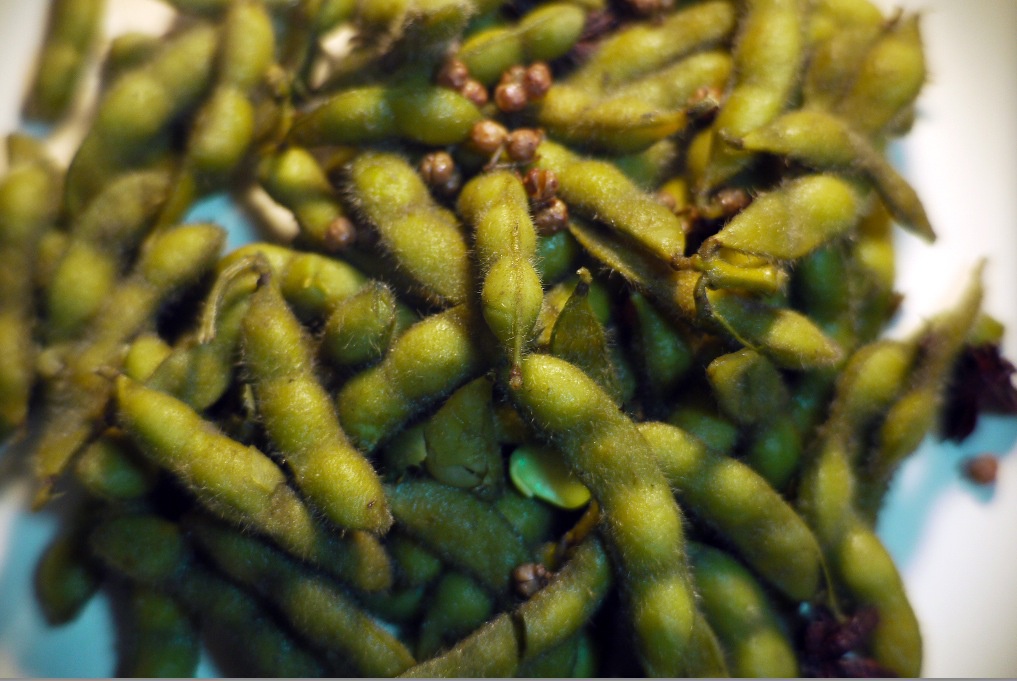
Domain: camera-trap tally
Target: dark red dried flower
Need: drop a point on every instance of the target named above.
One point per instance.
(982, 382)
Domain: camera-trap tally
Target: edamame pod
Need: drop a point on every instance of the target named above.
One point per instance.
(438, 516)
(425, 240)
(430, 360)
(299, 418)
(601, 192)
(315, 607)
(73, 30)
(742, 506)
(643, 523)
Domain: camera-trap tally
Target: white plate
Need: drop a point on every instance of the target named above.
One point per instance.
(955, 544)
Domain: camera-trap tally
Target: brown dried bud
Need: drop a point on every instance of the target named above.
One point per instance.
(474, 91)
(513, 74)
(537, 80)
(487, 136)
(982, 469)
(440, 172)
(510, 97)
(731, 200)
(521, 145)
(529, 578)
(552, 217)
(340, 234)
(541, 185)
(453, 74)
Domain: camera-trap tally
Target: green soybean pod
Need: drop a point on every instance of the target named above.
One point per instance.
(742, 507)
(312, 283)
(168, 263)
(152, 551)
(241, 484)
(888, 80)
(674, 290)
(438, 516)
(110, 469)
(491, 650)
(66, 577)
(835, 60)
(425, 240)
(109, 228)
(743, 616)
(135, 113)
(460, 438)
(427, 362)
(457, 605)
(915, 412)
(811, 211)
(562, 608)
(163, 642)
(26, 210)
(859, 562)
(827, 142)
(505, 241)
(424, 114)
(768, 53)
(663, 352)
(542, 34)
(645, 47)
(747, 386)
(322, 612)
(73, 30)
(361, 328)
(790, 339)
(601, 192)
(295, 179)
(299, 418)
(642, 520)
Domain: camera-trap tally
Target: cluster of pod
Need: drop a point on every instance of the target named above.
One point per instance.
(568, 363)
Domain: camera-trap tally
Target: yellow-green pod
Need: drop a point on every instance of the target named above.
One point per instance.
(430, 360)
(361, 328)
(109, 468)
(785, 336)
(299, 418)
(742, 614)
(73, 30)
(643, 523)
(888, 80)
(601, 192)
(747, 386)
(645, 47)
(461, 447)
(425, 240)
(439, 516)
(457, 606)
(320, 610)
(794, 219)
(66, 577)
(496, 206)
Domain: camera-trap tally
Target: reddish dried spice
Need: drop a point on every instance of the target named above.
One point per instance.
(982, 383)
(982, 469)
(831, 647)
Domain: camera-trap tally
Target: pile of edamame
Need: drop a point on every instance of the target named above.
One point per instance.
(565, 358)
